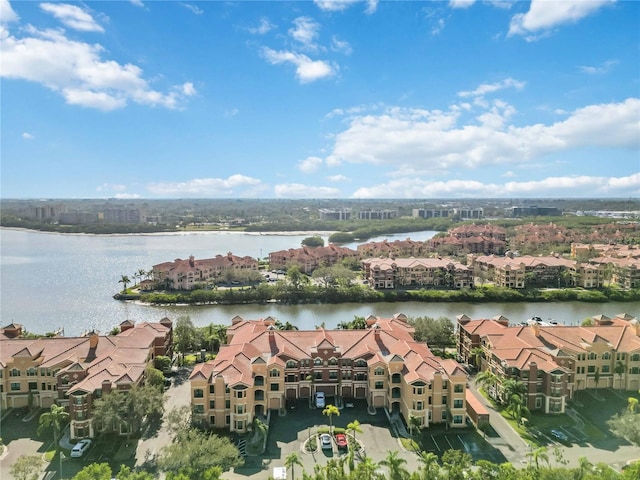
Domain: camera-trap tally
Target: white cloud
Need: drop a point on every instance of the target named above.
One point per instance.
(338, 5)
(576, 186)
(598, 70)
(204, 186)
(338, 178)
(372, 6)
(127, 196)
(486, 88)
(305, 32)
(508, 174)
(437, 27)
(544, 15)
(72, 16)
(461, 3)
(231, 113)
(78, 72)
(298, 190)
(307, 70)
(110, 187)
(340, 46)
(265, 26)
(7, 14)
(137, 3)
(194, 8)
(427, 140)
(310, 164)
(27, 136)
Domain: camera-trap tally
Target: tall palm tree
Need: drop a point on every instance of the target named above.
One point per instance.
(414, 424)
(516, 407)
(330, 411)
(476, 355)
(140, 273)
(539, 454)
(512, 387)
(429, 469)
(619, 370)
(354, 427)
(56, 418)
(291, 461)
(396, 466)
(124, 280)
(488, 380)
(366, 470)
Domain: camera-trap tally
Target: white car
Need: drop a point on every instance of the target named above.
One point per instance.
(325, 441)
(320, 399)
(80, 448)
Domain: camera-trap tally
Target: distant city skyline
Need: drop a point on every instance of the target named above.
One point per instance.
(320, 99)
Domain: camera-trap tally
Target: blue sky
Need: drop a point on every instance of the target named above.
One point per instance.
(324, 99)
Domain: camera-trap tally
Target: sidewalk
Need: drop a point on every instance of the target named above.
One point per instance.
(509, 442)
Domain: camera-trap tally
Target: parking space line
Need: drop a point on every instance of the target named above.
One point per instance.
(447, 439)
(435, 443)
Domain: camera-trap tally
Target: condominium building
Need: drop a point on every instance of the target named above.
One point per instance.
(310, 258)
(554, 361)
(416, 272)
(262, 368)
(74, 371)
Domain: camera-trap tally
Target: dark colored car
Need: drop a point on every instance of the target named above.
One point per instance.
(559, 435)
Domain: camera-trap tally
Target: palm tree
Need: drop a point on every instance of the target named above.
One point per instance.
(396, 466)
(414, 423)
(429, 461)
(124, 280)
(476, 355)
(140, 273)
(619, 370)
(512, 387)
(366, 470)
(291, 461)
(330, 411)
(56, 417)
(539, 454)
(584, 466)
(354, 427)
(516, 407)
(488, 380)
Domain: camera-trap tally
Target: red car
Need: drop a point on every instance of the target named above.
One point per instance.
(341, 440)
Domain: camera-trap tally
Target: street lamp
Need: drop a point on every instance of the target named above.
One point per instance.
(62, 457)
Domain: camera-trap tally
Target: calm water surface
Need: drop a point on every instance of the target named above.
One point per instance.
(48, 281)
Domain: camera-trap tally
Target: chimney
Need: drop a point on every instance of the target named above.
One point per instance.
(93, 340)
(106, 387)
(536, 329)
(192, 261)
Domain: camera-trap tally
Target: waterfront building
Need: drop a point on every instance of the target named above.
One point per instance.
(310, 258)
(384, 214)
(383, 273)
(191, 273)
(396, 248)
(553, 361)
(262, 369)
(74, 371)
(334, 213)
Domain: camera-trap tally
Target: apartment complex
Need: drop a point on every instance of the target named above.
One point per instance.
(396, 248)
(191, 273)
(310, 258)
(554, 361)
(262, 368)
(74, 371)
(416, 272)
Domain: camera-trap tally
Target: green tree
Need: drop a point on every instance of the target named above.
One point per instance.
(126, 473)
(26, 467)
(476, 355)
(94, 471)
(185, 335)
(291, 461)
(396, 466)
(538, 455)
(56, 418)
(626, 425)
(162, 363)
(414, 424)
(127, 410)
(429, 468)
(124, 280)
(296, 278)
(489, 381)
(330, 411)
(315, 241)
(354, 427)
(619, 370)
(436, 332)
(153, 376)
(456, 463)
(193, 452)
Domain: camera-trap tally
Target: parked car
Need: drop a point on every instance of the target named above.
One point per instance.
(341, 440)
(320, 400)
(80, 448)
(325, 441)
(559, 435)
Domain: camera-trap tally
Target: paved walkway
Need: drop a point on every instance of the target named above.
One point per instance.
(509, 442)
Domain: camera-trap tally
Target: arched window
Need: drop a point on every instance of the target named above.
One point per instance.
(292, 364)
(378, 371)
(317, 361)
(333, 361)
(360, 363)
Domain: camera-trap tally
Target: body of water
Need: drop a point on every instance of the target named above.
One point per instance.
(50, 281)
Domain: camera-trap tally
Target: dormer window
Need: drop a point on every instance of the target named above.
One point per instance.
(274, 373)
(292, 364)
(317, 361)
(360, 363)
(333, 361)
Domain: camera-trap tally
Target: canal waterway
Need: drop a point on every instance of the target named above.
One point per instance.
(50, 281)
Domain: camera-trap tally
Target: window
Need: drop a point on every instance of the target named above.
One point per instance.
(606, 356)
(198, 409)
(227, 420)
(333, 361)
(429, 400)
(378, 371)
(605, 368)
(212, 420)
(457, 419)
(275, 387)
(318, 375)
(291, 378)
(212, 389)
(444, 415)
(396, 378)
(292, 364)
(418, 405)
(227, 404)
(32, 372)
(239, 409)
(333, 375)
(198, 393)
(445, 384)
(15, 386)
(632, 370)
(212, 404)
(634, 358)
(360, 363)
(274, 373)
(317, 361)
(379, 385)
(14, 372)
(457, 403)
(259, 381)
(593, 356)
(444, 399)
(346, 375)
(345, 362)
(241, 393)
(78, 399)
(418, 390)
(591, 369)
(538, 402)
(458, 387)
(33, 385)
